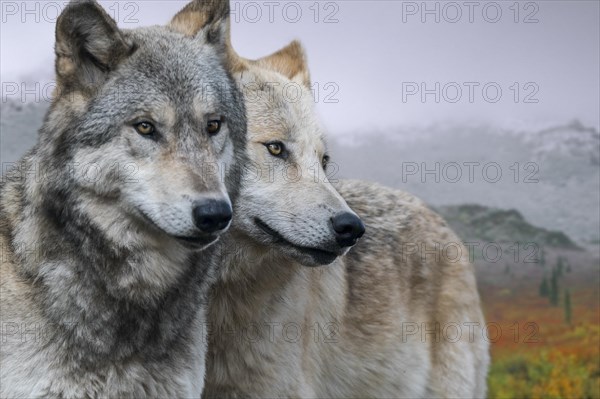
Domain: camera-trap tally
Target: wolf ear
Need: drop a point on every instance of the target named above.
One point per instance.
(211, 17)
(88, 45)
(290, 61)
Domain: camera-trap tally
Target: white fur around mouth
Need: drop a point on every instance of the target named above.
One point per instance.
(190, 241)
(320, 255)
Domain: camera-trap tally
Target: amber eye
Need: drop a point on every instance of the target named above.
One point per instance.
(213, 127)
(275, 148)
(144, 128)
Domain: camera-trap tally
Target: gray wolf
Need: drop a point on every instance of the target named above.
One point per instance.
(381, 319)
(105, 223)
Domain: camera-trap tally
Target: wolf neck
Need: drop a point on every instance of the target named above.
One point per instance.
(255, 309)
(258, 286)
(94, 291)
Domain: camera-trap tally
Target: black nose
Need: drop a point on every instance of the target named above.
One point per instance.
(348, 228)
(212, 215)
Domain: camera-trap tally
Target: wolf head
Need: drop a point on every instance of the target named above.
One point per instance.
(286, 201)
(140, 126)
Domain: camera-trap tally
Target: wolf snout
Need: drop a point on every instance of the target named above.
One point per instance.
(348, 228)
(212, 215)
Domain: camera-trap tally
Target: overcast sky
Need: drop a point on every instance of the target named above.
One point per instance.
(371, 60)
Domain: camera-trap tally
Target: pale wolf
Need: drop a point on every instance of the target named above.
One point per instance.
(397, 316)
(103, 285)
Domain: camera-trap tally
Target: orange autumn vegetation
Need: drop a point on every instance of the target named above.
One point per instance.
(537, 353)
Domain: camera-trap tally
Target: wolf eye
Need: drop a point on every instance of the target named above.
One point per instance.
(213, 127)
(144, 128)
(276, 148)
(325, 161)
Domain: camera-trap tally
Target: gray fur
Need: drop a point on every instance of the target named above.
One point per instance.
(114, 300)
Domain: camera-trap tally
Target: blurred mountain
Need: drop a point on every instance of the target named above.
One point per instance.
(19, 125)
(569, 141)
(551, 176)
(483, 224)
